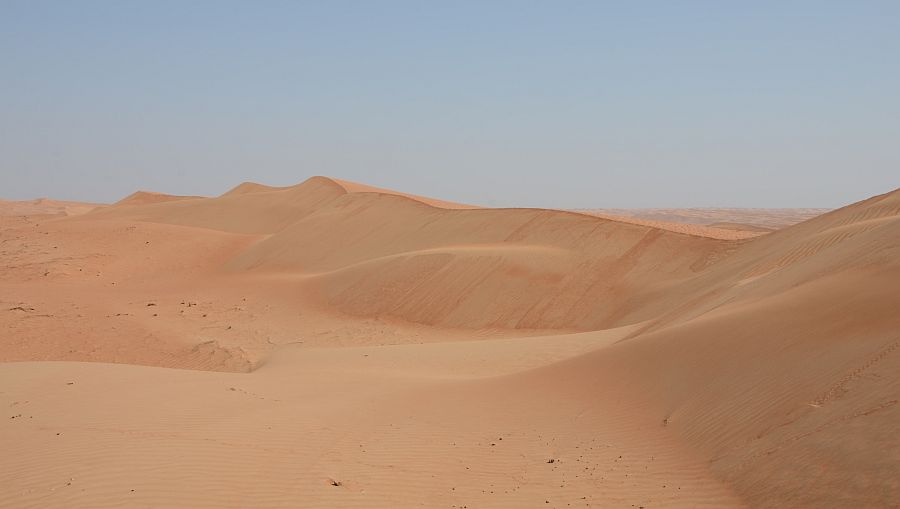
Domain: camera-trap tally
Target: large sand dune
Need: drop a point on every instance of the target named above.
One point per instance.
(348, 346)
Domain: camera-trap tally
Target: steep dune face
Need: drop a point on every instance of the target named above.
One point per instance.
(355, 187)
(788, 380)
(827, 233)
(372, 253)
(847, 238)
(382, 255)
(792, 399)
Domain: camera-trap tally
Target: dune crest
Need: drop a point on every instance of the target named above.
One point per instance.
(46, 206)
(149, 197)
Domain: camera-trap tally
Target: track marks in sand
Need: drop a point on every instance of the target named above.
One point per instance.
(815, 245)
(839, 387)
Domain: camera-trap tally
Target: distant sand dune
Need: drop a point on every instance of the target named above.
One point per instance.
(147, 197)
(772, 218)
(44, 206)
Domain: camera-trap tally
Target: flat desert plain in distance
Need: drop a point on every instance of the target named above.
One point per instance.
(331, 344)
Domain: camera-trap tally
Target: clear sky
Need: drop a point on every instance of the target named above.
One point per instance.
(562, 104)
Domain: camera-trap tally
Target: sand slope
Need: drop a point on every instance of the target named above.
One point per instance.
(149, 197)
(772, 218)
(786, 377)
(374, 254)
(355, 347)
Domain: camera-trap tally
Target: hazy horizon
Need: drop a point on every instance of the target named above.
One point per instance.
(577, 105)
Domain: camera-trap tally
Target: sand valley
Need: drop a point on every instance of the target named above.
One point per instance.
(331, 344)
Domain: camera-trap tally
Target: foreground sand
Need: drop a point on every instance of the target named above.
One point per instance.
(334, 345)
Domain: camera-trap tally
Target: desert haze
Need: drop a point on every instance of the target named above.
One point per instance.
(331, 344)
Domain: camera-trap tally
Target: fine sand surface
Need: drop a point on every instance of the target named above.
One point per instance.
(332, 344)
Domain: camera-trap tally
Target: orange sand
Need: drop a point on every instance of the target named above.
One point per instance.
(345, 346)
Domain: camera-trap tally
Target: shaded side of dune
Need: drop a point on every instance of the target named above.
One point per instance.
(367, 252)
(785, 374)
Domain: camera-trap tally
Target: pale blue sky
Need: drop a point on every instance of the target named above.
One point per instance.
(563, 104)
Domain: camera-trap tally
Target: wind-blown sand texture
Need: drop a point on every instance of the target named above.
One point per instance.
(338, 345)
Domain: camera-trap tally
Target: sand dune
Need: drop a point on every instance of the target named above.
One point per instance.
(742, 227)
(376, 254)
(45, 206)
(348, 346)
(148, 197)
(354, 187)
(772, 218)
